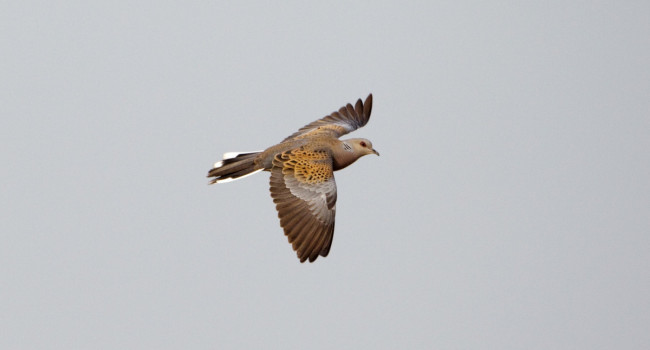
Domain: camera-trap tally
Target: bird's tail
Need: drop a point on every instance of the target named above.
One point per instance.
(234, 166)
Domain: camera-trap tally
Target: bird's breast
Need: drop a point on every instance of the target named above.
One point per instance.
(342, 159)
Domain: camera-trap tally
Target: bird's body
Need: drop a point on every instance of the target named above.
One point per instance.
(302, 181)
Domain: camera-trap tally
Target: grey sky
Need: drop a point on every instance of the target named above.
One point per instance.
(508, 210)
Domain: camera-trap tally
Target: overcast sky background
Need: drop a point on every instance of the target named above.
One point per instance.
(509, 208)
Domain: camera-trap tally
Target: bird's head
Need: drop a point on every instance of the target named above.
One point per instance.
(350, 151)
(362, 147)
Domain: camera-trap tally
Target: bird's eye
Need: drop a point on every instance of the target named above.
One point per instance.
(363, 144)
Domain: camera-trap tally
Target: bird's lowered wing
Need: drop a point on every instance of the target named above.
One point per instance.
(304, 192)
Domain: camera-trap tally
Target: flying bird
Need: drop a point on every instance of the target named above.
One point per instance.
(302, 175)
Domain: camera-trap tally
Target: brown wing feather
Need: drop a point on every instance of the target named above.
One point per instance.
(303, 189)
(341, 122)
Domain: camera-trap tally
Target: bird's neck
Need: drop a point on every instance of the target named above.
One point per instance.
(343, 155)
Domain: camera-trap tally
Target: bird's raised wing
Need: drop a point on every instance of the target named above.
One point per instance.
(304, 193)
(345, 120)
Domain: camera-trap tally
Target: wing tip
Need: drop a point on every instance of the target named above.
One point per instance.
(367, 106)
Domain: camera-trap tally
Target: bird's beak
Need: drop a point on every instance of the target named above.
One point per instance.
(375, 152)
